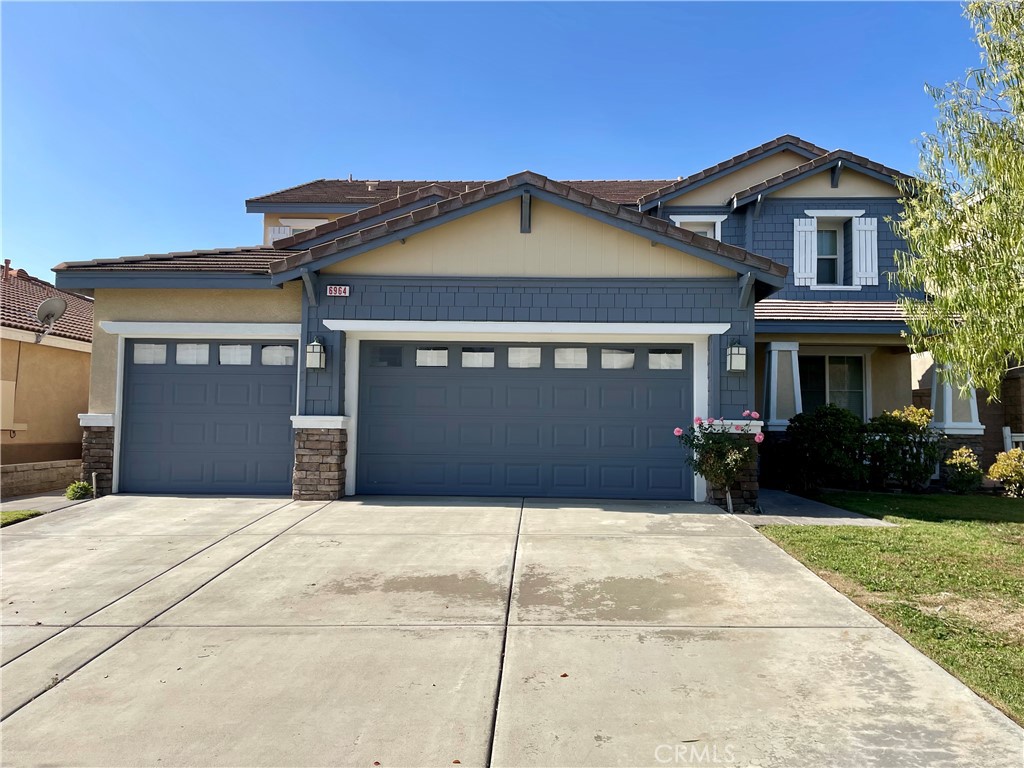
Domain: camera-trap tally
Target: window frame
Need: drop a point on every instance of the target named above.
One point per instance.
(862, 353)
(714, 219)
(840, 216)
(839, 255)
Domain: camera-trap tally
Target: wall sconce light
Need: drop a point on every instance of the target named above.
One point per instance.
(316, 355)
(736, 358)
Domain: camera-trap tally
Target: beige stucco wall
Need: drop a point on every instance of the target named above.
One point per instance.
(562, 243)
(891, 380)
(851, 184)
(719, 191)
(182, 306)
(51, 387)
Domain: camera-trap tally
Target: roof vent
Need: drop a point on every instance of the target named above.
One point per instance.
(350, 177)
(371, 186)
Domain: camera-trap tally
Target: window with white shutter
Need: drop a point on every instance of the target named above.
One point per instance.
(805, 250)
(865, 251)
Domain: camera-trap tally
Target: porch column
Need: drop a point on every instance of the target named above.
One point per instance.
(782, 385)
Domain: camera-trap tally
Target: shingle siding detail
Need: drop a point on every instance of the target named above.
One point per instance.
(681, 301)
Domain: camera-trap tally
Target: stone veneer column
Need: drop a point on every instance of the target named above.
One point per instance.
(319, 463)
(744, 493)
(98, 457)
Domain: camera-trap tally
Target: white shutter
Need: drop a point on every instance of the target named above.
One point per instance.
(277, 233)
(865, 251)
(805, 250)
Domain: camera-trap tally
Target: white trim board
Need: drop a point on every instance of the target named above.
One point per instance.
(835, 214)
(437, 330)
(152, 330)
(714, 219)
(96, 419)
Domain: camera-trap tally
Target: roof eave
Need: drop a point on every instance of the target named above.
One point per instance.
(89, 279)
(741, 199)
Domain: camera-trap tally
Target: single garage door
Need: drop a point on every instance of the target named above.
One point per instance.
(208, 417)
(524, 419)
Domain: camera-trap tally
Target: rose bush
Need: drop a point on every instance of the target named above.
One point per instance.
(715, 453)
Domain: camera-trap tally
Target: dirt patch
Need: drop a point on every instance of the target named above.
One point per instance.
(991, 614)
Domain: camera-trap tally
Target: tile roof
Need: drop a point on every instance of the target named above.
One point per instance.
(815, 164)
(358, 191)
(20, 297)
(834, 311)
(253, 260)
(750, 154)
(561, 189)
(366, 214)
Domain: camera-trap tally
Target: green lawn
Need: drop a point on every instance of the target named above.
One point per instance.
(16, 516)
(949, 579)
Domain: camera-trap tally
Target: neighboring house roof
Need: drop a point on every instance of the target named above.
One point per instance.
(787, 141)
(613, 213)
(254, 260)
(818, 165)
(356, 191)
(818, 311)
(353, 220)
(20, 297)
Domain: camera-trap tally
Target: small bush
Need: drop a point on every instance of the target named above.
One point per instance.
(79, 490)
(1009, 470)
(824, 449)
(901, 448)
(963, 473)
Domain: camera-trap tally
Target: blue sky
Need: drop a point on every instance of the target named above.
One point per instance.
(142, 128)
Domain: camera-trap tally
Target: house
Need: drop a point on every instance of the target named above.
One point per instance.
(44, 376)
(516, 337)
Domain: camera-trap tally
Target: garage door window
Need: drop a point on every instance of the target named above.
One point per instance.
(385, 357)
(192, 354)
(570, 357)
(432, 357)
(236, 354)
(618, 359)
(524, 357)
(277, 354)
(149, 354)
(478, 357)
(665, 359)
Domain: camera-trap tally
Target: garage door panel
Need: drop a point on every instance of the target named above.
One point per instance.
(538, 431)
(207, 428)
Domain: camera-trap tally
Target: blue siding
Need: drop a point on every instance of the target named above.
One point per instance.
(509, 300)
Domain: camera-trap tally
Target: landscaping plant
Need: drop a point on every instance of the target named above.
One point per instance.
(902, 448)
(1009, 470)
(79, 490)
(716, 452)
(824, 449)
(963, 473)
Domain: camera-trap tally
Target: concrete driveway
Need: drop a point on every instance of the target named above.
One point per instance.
(414, 632)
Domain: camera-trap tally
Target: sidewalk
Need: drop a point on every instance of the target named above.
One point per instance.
(781, 508)
(48, 501)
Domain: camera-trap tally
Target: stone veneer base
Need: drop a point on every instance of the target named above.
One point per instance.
(98, 457)
(319, 473)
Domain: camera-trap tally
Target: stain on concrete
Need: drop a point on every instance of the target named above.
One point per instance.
(471, 586)
(613, 598)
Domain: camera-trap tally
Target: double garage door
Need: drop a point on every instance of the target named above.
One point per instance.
(208, 416)
(567, 420)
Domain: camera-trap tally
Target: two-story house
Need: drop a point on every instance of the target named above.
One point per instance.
(513, 337)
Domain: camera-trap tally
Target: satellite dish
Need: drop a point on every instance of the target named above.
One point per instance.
(49, 312)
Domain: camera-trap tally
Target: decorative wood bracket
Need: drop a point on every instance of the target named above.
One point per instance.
(312, 284)
(525, 213)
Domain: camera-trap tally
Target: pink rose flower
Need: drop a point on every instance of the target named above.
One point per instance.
(759, 437)
(677, 431)
(698, 420)
(737, 427)
(755, 415)
(746, 413)
(711, 420)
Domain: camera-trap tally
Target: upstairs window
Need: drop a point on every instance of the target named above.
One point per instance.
(835, 250)
(706, 224)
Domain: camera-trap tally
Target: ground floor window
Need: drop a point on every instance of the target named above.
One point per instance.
(835, 379)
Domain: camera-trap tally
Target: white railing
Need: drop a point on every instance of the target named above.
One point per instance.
(1012, 440)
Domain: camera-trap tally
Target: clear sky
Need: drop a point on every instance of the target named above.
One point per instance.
(142, 128)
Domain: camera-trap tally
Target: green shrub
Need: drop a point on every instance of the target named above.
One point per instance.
(824, 450)
(1009, 470)
(79, 490)
(963, 473)
(901, 448)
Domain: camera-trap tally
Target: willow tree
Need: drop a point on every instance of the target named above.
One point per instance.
(963, 216)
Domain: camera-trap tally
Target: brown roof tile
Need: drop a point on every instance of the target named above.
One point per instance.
(680, 184)
(816, 163)
(561, 189)
(836, 311)
(255, 260)
(21, 295)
